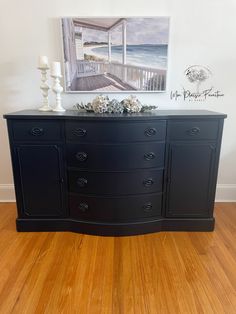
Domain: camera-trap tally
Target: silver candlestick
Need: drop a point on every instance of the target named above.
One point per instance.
(45, 88)
(57, 89)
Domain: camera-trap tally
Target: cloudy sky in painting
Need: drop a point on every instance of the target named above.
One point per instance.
(139, 31)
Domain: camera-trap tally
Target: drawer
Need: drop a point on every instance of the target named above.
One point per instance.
(118, 156)
(36, 130)
(115, 208)
(102, 131)
(193, 130)
(116, 183)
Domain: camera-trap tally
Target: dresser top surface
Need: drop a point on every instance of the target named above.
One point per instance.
(73, 114)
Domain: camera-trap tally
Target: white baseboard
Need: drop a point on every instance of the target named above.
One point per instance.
(224, 193)
(7, 193)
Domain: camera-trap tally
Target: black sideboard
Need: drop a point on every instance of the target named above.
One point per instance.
(115, 174)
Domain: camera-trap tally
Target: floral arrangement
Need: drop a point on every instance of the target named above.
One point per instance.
(132, 104)
(102, 104)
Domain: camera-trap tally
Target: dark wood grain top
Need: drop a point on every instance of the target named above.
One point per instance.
(73, 114)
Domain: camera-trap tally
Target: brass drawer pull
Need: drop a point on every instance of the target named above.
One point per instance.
(36, 131)
(81, 156)
(149, 156)
(82, 182)
(150, 132)
(148, 182)
(83, 207)
(147, 207)
(193, 131)
(79, 132)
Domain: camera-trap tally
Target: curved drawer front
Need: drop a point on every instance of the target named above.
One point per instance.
(126, 131)
(36, 130)
(112, 157)
(116, 183)
(115, 208)
(193, 130)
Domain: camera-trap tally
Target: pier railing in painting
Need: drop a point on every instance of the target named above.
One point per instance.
(140, 78)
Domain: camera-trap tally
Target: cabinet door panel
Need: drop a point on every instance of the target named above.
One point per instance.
(190, 179)
(40, 176)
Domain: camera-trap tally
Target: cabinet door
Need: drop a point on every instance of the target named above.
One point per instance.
(190, 187)
(39, 180)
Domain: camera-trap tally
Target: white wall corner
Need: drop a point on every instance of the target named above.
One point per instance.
(7, 193)
(226, 193)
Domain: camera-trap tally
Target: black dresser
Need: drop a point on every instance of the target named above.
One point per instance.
(111, 174)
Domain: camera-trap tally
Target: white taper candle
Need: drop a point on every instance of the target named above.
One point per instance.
(43, 62)
(56, 69)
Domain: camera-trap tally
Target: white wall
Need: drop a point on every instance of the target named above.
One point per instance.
(202, 32)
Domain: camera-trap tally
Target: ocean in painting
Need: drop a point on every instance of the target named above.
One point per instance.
(146, 55)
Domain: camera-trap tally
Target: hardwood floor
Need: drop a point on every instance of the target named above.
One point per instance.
(156, 273)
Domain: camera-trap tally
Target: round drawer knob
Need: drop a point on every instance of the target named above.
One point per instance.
(148, 182)
(79, 132)
(81, 156)
(150, 132)
(194, 131)
(83, 207)
(147, 207)
(149, 156)
(36, 131)
(82, 182)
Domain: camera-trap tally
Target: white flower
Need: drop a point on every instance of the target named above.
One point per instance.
(132, 104)
(100, 103)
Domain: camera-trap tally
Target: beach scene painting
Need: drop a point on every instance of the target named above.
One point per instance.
(122, 54)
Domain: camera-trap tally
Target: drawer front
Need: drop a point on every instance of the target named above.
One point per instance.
(116, 183)
(119, 156)
(36, 130)
(115, 208)
(193, 130)
(101, 131)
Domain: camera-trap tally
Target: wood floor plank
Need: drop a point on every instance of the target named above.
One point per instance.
(168, 272)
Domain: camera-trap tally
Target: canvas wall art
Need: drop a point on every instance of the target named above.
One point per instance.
(123, 54)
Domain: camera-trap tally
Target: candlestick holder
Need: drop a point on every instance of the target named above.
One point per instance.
(57, 89)
(45, 88)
